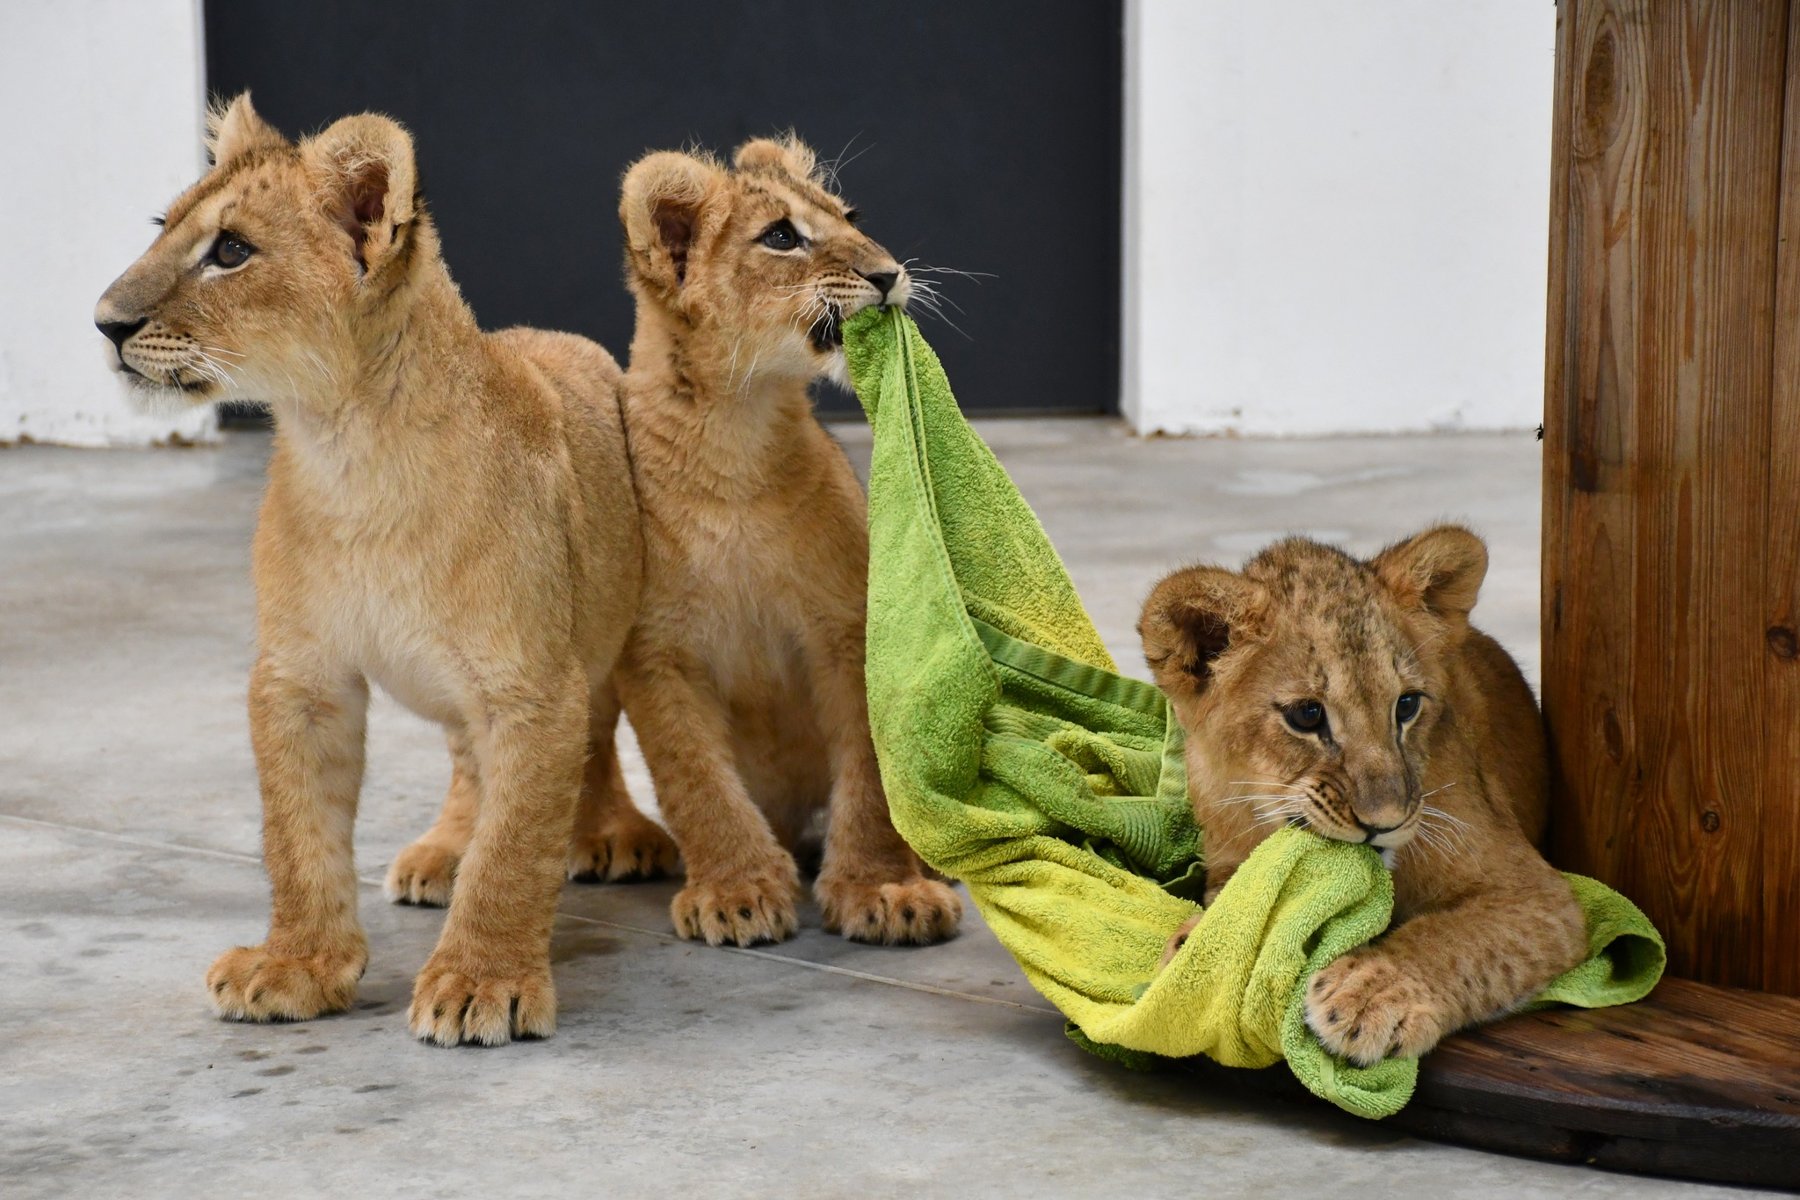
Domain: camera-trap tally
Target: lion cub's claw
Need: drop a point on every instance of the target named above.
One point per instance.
(250, 983)
(1365, 1008)
(639, 850)
(914, 911)
(743, 911)
(452, 1006)
(424, 873)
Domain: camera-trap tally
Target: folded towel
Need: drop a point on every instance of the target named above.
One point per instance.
(1017, 760)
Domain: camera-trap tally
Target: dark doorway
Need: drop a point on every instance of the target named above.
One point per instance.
(981, 136)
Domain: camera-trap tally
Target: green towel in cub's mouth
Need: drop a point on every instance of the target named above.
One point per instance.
(1019, 761)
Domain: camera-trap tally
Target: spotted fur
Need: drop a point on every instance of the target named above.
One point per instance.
(1430, 748)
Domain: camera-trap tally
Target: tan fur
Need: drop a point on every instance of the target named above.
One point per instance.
(1455, 797)
(449, 515)
(744, 674)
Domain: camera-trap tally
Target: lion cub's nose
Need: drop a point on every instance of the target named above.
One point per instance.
(119, 331)
(1374, 831)
(883, 281)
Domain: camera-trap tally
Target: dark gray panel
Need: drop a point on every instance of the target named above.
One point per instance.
(983, 136)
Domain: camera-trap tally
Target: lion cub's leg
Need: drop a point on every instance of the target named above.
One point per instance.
(306, 726)
(613, 841)
(871, 886)
(1178, 939)
(424, 872)
(488, 980)
(741, 885)
(1478, 958)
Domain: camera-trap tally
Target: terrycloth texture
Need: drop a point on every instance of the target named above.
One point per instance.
(1017, 760)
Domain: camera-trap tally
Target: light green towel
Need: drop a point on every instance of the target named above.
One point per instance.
(1017, 760)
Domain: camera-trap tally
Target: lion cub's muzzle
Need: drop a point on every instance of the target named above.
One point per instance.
(1385, 820)
(149, 353)
(892, 288)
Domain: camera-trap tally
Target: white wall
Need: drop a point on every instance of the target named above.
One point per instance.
(102, 103)
(1336, 214)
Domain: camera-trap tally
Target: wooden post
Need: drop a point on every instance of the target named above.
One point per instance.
(1671, 667)
(1671, 671)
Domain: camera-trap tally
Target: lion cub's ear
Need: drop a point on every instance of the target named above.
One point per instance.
(1194, 616)
(788, 154)
(660, 205)
(1439, 571)
(366, 178)
(234, 129)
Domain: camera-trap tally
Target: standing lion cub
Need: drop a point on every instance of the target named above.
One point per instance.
(449, 515)
(1355, 699)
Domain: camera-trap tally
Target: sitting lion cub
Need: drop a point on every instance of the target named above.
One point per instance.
(449, 515)
(744, 674)
(1354, 699)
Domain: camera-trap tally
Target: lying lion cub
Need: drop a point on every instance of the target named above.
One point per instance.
(449, 515)
(1354, 699)
(744, 675)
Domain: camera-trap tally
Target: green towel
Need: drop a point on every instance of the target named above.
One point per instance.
(1017, 760)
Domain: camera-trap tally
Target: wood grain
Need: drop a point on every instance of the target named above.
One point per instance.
(1659, 486)
(1781, 571)
(1696, 1081)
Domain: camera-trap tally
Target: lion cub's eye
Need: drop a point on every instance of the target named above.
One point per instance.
(230, 251)
(1305, 716)
(781, 236)
(1407, 707)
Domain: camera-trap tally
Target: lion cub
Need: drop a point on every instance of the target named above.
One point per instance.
(449, 515)
(1354, 699)
(744, 674)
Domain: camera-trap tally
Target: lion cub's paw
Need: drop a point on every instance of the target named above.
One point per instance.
(1179, 940)
(912, 911)
(454, 1003)
(250, 983)
(423, 873)
(628, 851)
(1365, 1007)
(742, 911)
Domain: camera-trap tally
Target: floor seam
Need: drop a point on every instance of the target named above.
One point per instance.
(660, 935)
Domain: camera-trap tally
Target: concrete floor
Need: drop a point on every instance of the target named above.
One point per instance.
(128, 859)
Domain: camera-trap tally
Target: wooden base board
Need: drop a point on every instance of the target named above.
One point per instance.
(1695, 1081)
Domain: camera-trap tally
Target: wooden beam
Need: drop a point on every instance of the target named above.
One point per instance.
(1657, 484)
(1781, 573)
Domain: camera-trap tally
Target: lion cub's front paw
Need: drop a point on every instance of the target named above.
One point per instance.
(742, 911)
(627, 851)
(458, 1001)
(1365, 1007)
(423, 873)
(1179, 939)
(912, 911)
(250, 983)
